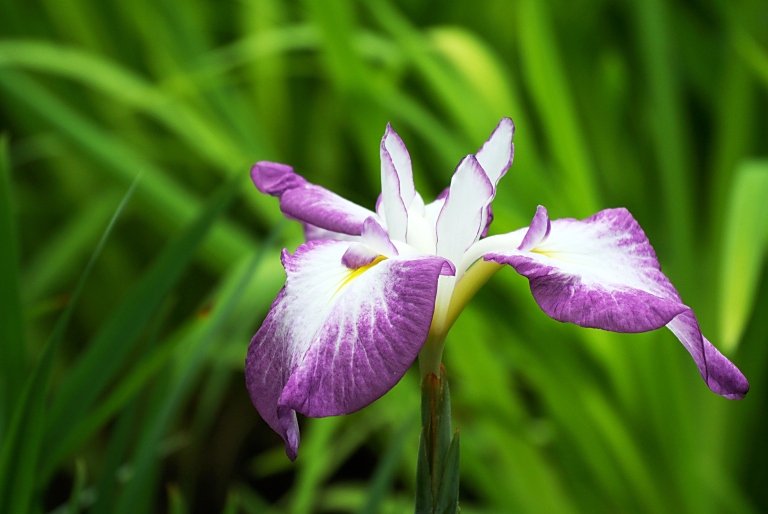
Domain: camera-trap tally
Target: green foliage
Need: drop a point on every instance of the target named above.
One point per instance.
(121, 385)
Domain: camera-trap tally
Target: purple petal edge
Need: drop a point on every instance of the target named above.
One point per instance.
(327, 362)
(306, 202)
(358, 255)
(538, 231)
(565, 297)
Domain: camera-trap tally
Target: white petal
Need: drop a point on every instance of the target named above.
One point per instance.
(460, 222)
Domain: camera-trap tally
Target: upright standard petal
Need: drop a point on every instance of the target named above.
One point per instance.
(603, 273)
(397, 190)
(495, 156)
(308, 202)
(461, 220)
(336, 339)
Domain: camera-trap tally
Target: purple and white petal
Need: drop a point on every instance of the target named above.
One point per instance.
(312, 232)
(377, 238)
(375, 243)
(308, 202)
(337, 339)
(461, 220)
(495, 156)
(538, 231)
(603, 273)
(397, 189)
(720, 374)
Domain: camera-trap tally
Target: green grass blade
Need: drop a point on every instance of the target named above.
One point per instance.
(166, 199)
(745, 238)
(548, 85)
(670, 138)
(13, 358)
(23, 440)
(137, 495)
(200, 133)
(385, 471)
(115, 458)
(107, 353)
(85, 428)
(448, 495)
(51, 266)
(75, 498)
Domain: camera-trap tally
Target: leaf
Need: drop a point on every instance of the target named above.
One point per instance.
(549, 87)
(169, 203)
(448, 494)
(23, 440)
(173, 390)
(109, 350)
(13, 359)
(743, 252)
(385, 471)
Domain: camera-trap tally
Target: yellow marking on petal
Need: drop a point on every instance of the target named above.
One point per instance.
(541, 252)
(353, 274)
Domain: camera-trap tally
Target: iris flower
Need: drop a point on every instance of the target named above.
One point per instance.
(371, 290)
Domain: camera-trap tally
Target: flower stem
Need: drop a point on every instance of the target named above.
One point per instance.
(437, 472)
(430, 356)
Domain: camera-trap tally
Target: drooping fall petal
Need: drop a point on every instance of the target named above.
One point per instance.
(603, 273)
(336, 339)
(308, 202)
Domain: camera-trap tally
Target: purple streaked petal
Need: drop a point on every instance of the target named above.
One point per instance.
(397, 190)
(720, 374)
(337, 339)
(538, 231)
(461, 220)
(312, 232)
(603, 273)
(358, 255)
(308, 202)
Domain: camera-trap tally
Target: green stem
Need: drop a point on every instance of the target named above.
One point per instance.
(437, 473)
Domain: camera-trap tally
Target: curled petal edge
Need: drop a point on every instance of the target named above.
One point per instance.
(645, 301)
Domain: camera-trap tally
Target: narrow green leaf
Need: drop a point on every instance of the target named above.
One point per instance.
(13, 359)
(448, 494)
(108, 351)
(553, 99)
(23, 440)
(167, 202)
(126, 390)
(670, 135)
(170, 394)
(385, 471)
(176, 502)
(53, 264)
(233, 503)
(200, 133)
(424, 500)
(75, 499)
(743, 253)
(115, 459)
(443, 430)
(459, 102)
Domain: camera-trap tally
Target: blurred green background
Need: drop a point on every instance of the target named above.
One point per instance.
(136, 259)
